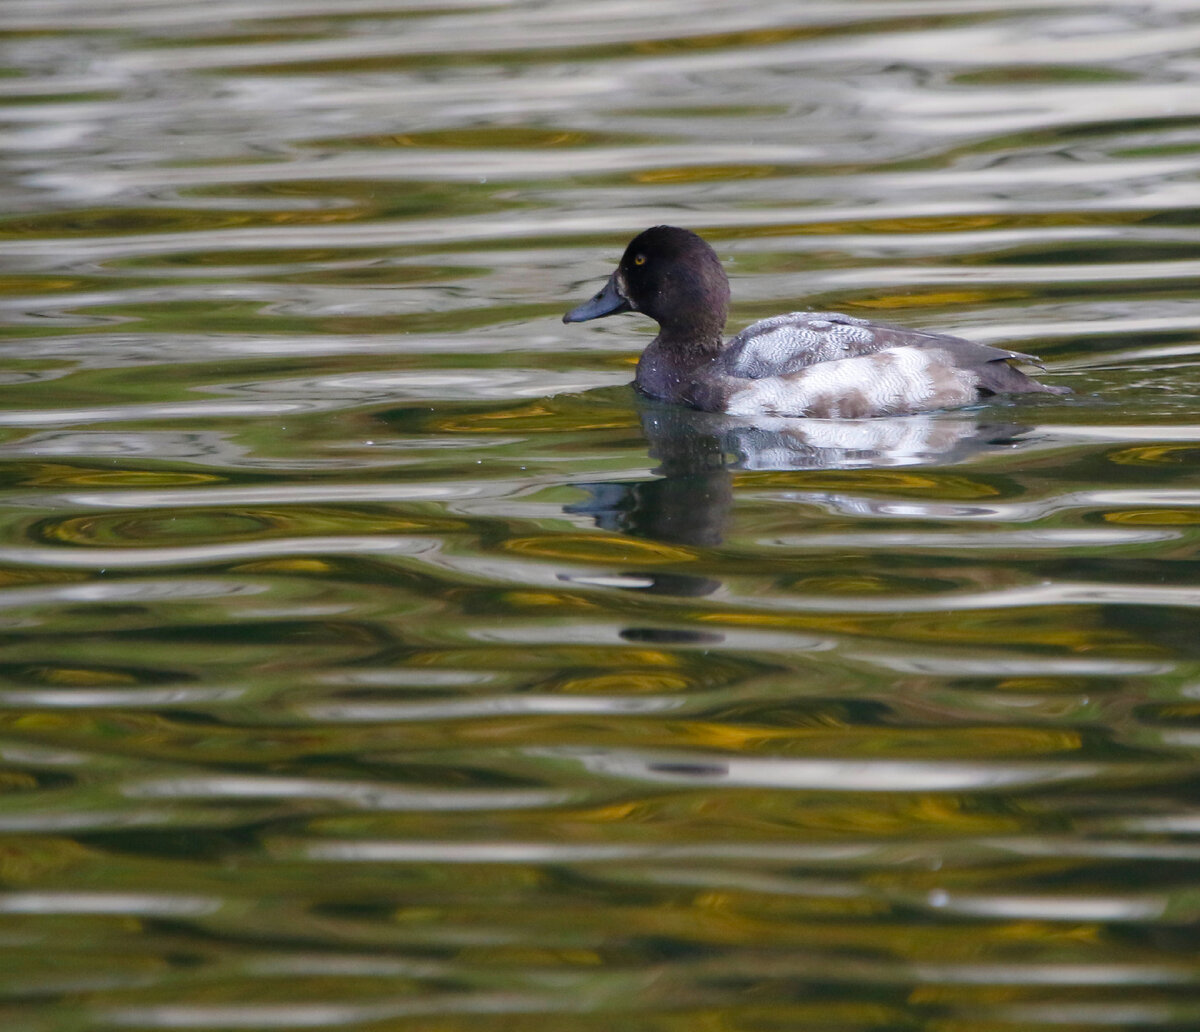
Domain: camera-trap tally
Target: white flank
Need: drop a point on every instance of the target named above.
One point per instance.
(889, 382)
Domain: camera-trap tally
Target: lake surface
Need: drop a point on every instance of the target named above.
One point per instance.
(372, 658)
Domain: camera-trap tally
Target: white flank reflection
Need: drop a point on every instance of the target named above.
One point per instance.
(823, 775)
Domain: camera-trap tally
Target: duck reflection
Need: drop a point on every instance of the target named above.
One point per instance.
(690, 502)
(698, 452)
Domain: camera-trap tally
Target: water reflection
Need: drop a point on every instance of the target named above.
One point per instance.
(691, 501)
(698, 452)
(365, 660)
(852, 775)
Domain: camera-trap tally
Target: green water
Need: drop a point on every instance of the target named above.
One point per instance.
(371, 658)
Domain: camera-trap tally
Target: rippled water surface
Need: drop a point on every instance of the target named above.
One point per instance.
(372, 658)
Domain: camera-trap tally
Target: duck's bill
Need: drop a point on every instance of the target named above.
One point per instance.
(608, 302)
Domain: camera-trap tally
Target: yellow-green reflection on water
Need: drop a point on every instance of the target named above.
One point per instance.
(372, 658)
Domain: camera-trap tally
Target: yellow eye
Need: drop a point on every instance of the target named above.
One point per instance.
(639, 260)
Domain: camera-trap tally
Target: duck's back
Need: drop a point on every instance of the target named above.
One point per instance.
(787, 343)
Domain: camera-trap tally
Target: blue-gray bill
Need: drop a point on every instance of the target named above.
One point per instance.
(608, 302)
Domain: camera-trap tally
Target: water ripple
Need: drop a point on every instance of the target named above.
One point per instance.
(372, 655)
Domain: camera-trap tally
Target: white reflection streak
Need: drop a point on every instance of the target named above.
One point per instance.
(247, 1016)
(407, 677)
(1164, 824)
(1093, 848)
(124, 591)
(1012, 512)
(1087, 1015)
(32, 14)
(993, 664)
(1054, 974)
(1099, 321)
(953, 540)
(86, 821)
(1051, 908)
(316, 1015)
(825, 775)
(705, 636)
(1036, 595)
(90, 698)
(137, 558)
(206, 410)
(292, 494)
(838, 775)
(320, 964)
(724, 879)
(877, 853)
(1179, 432)
(557, 853)
(489, 706)
(145, 905)
(42, 756)
(363, 795)
(1116, 272)
(481, 385)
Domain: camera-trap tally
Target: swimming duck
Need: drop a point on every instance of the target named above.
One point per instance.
(819, 364)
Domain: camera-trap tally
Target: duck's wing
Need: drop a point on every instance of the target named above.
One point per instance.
(788, 343)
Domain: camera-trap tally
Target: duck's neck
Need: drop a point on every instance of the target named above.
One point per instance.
(668, 367)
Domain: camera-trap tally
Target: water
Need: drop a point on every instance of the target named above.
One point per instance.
(372, 658)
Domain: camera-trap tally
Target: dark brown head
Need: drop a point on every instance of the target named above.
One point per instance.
(674, 277)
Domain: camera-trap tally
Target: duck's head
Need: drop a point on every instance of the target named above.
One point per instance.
(674, 277)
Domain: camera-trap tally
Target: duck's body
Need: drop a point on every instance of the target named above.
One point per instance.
(817, 364)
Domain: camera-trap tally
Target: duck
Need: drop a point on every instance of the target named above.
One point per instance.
(821, 365)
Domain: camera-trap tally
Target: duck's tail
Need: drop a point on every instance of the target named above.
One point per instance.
(1000, 376)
